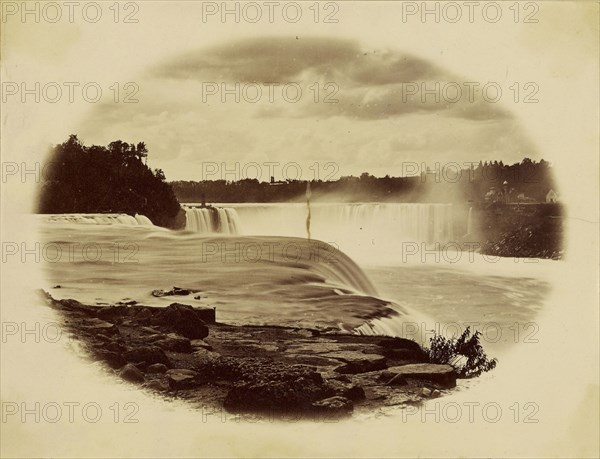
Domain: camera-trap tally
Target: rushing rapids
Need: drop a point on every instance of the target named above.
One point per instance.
(277, 280)
(211, 220)
(250, 279)
(99, 219)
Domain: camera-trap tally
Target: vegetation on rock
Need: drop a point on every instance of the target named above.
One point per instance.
(112, 179)
(465, 353)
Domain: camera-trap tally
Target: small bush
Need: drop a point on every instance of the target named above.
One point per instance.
(464, 353)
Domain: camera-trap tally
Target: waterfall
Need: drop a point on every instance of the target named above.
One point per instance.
(211, 220)
(370, 223)
(100, 219)
(366, 231)
(143, 220)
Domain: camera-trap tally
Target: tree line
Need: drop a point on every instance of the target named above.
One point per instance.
(106, 179)
(525, 181)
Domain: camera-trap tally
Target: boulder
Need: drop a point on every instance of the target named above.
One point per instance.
(182, 371)
(143, 314)
(183, 319)
(130, 373)
(208, 315)
(126, 302)
(397, 380)
(148, 354)
(349, 391)
(334, 405)
(200, 344)
(174, 343)
(153, 336)
(157, 385)
(113, 346)
(203, 356)
(112, 312)
(157, 368)
(142, 366)
(173, 292)
(357, 362)
(425, 392)
(443, 375)
(114, 359)
(104, 338)
(181, 378)
(100, 326)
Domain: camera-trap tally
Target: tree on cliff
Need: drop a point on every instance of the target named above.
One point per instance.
(80, 179)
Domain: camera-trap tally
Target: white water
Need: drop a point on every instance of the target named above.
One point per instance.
(143, 220)
(291, 281)
(99, 219)
(263, 279)
(364, 231)
(215, 220)
(259, 280)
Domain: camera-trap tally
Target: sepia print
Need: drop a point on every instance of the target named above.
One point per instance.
(299, 229)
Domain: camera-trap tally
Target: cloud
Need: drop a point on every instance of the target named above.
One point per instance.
(375, 124)
(261, 60)
(373, 84)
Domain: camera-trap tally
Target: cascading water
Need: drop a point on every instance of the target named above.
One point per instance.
(364, 231)
(143, 220)
(428, 223)
(211, 220)
(100, 219)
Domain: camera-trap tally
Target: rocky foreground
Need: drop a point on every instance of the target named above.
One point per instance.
(182, 352)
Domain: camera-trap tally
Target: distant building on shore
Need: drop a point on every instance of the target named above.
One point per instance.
(273, 182)
(552, 196)
(525, 199)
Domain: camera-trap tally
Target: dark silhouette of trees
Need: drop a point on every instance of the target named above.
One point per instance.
(97, 179)
(529, 178)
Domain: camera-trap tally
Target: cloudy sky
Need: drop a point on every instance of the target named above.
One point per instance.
(308, 99)
(356, 76)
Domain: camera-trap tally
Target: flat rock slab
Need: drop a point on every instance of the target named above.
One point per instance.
(444, 375)
(328, 347)
(182, 371)
(352, 356)
(356, 361)
(265, 347)
(200, 344)
(315, 360)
